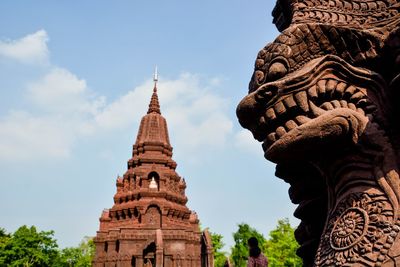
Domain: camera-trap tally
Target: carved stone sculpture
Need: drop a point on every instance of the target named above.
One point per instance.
(323, 100)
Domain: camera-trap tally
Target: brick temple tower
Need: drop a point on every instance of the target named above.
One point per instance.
(149, 223)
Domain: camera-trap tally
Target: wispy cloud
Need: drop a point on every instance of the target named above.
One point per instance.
(62, 109)
(27, 137)
(31, 49)
(196, 114)
(61, 91)
(244, 141)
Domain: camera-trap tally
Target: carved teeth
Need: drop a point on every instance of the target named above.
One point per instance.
(312, 92)
(336, 104)
(357, 96)
(321, 87)
(290, 125)
(279, 108)
(301, 99)
(316, 110)
(289, 102)
(332, 93)
(271, 137)
(280, 131)
(340, 88)
(271, 114)
(349, 91)
(330, 86)
(327, 106)
(352, 106)
(302, 119)
(343, 103)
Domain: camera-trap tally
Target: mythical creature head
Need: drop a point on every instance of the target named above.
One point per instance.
(322, 100)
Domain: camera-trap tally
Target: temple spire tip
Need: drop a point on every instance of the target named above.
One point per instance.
(155, 78)
(154, 104)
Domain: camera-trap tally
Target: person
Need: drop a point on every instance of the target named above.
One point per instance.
(227, 263)
(256, 258)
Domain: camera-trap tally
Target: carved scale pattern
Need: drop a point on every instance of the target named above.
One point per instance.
(298, 45)
(356, 13)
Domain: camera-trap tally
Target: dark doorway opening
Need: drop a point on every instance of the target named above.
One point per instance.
(149, 255)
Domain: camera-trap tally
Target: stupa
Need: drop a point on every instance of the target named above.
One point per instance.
(149, 223)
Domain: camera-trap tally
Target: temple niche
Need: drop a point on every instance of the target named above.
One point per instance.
(149, 224)
(323, 102)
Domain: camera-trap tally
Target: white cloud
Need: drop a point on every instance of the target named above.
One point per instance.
(125, 110)
(62, 109)
(196, 115)
(63, 92)
(244, 141)
(26, 137)
(30, 49)
(66, 110)
(63, 112)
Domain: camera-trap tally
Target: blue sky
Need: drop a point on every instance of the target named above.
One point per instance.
(75, 79)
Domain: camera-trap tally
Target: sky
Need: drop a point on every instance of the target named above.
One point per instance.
(75, 80)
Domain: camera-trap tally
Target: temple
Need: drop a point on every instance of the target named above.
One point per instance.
(149, 223)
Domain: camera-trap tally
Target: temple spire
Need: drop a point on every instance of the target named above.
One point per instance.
(154, 105)
(155, 76)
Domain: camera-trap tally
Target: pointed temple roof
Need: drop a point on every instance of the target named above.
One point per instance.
(152, 141)
(153, 126)
(151, 167)
(150, 206)
(154, 105)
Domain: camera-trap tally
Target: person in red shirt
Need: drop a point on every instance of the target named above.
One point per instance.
(256, 258)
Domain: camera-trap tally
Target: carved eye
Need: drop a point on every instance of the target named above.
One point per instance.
(276, 71)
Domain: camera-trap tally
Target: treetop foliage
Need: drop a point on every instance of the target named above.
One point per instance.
(219, 255)
(280, 248)
(29, 247)
(239, 252)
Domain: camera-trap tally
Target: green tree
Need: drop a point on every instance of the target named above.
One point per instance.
(282, 246)
(80, 256)
(3, 233)
(218, 244)
(240, 252)
(4, 237)
(28, 247)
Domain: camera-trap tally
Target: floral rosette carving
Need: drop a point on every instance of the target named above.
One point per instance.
(349, 229)
(362, 232)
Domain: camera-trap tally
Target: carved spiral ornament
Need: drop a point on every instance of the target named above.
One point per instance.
(349, 229)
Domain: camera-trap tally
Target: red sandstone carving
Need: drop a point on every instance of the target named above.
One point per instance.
(322, 100)
(149, 224)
